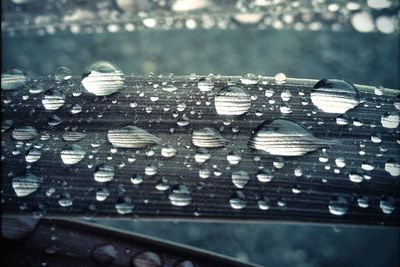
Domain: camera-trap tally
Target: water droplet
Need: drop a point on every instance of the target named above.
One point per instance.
(202, 155)
(137, 179)
(170, 88)
(168, 151)
(27, 184)
(249, 79)
(65, 200)
(13, 79)
(390, 121)
(72, 154)
(24, 133)
(53, 99)
(232, 100)
(102, 194)
(204, 173)
(264, 203)
(150, 170)
(340, 162)
(54, 120)
(132, 137)
(124, 205)
(76, 109)
(104, 255)
(207, 138)
(62, 74)
(362, 22)
(367, 166)
(363, 202)
(73, 136)
(6, 125)
(205, 84)
(185, 264)
(233, 158)
(104, 173)
(387, 204)
(240, 178)
(338, 206)
(286, 95)
(103, 78)
(180, 196)
(392, 166)
(237, 200)
(33, 155)
(264, 176)
(285, 138)
(355, 177)
(280, 78)
(334, 96)
(162, 184)
(146, 259)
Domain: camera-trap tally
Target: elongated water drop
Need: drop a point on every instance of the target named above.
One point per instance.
(24, 133)
(285, 138)
(180, 196)
(13, 79)
(26, 184)
(104, 173)
(103, 78)
(73, 136)
(72, 154)
(232, 100)
(132, 137)
(207, 138)
(334, 95)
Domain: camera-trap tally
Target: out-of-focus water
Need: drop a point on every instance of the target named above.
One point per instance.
(370, 59)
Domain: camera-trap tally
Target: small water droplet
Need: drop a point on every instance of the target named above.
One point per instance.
(180, 196)
(392, 166)
(62, 74)
(162, 184)
(340, 162)
(264, 203)
(65, 200)
(103, 79)
(104, 173)
(146, 259)
(32, 155)
(24, 133)
(286, 95)
(150, 170)
(249, 78)
(26, 184)
(233, 158)
(280, 78)
(169, 88)
(264, 176)
(168, 151)
(390, 121)
(132, 137)
(232, 100)
(202, 155)
(137, 179)
(387, 204)
(104, 255)
(207, 138)
(205, 84)
(76, 109)
(124, 205)
(53, 99)
(355, 177)
(240, 178)
(102, 194)
(363, 202)
(73, 136)
(334, 95)
(338, 206)
(204, 173)
(237, 200)
(72, 154)
(285, 138)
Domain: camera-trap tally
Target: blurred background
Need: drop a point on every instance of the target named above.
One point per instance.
(371, 59)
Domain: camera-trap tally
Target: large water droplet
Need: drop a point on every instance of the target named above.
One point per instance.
(285, 138)
(104, 173)
(72, 154)
(240, 178)
(132, 137)
(146, 259)
(24, 133)
(180, 196)
(104, 255)
(392, 166)
(334, 95)
(124, 205)
(338, 206)
(390, 121)
(25, 185)
(207, 138)
(103, 78)
(232, 100)
(13, 79)
(237, 200)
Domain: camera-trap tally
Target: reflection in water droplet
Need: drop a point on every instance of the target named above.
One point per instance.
(13, 79)
(390, 121)
(25, 185)
(53, 99)
(24, 133)
(124, 205)
(237, 200)
(334, 96)
(338, 206)
(232, 100)
(207, 138)
(285, 138)
(387, 204)
(103, 78)
(104, 173)
(72, 154)
(205, 84)
(240, 178)
(104, 255)
(146, 259)
(180, 196)
(33, 155)
(132, 137)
